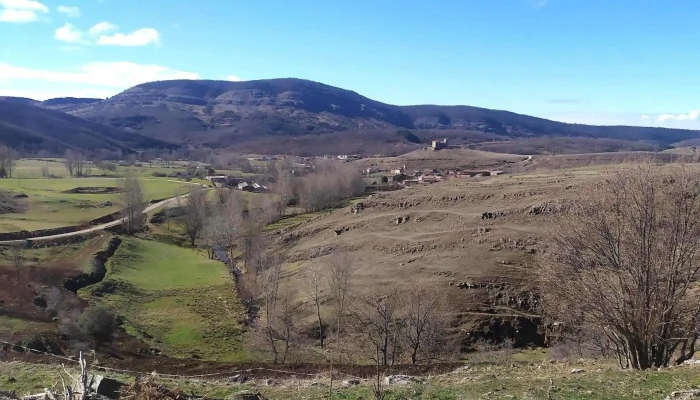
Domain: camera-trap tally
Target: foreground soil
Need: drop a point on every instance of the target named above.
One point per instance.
(580, 379)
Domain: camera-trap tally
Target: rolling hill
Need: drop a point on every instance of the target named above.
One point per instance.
(32, 128)
(304, 117)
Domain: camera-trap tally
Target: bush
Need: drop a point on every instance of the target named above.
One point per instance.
(160, 174)
(98, 323)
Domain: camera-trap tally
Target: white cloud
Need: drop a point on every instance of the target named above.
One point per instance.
(70, 11)
(103, 27)
(139, 37)
(69, 34)
(628, 119)
(39, 94)
(21, 11)
(691, 116)
(233, 78)
(94, 79)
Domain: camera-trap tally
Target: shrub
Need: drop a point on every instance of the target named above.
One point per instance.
(98, 323)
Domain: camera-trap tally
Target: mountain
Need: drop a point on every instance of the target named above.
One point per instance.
(300, 116)
(30, 127)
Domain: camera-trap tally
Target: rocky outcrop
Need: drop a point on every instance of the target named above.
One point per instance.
(521, 331)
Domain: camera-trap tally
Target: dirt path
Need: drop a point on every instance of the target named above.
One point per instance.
(96, 227)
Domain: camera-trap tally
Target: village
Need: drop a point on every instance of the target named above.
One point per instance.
(375, 175)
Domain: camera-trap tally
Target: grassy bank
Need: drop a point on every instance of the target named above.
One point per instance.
(174, 298)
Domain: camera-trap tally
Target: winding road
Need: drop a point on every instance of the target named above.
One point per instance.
(96, 227)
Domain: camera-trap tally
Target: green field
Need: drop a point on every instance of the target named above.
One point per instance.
(174, 298)
(49, 207)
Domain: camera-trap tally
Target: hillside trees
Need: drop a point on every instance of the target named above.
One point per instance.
(623, 264)
(132, 201)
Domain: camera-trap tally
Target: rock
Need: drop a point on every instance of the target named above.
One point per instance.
(40, 301)
(401, 220)
(691, 362)
(577, 371)
(20, 196)
(107, 387)
(246, 395)
(400, 380)
(8, 396)
(684, 395)
(270, 382)
(319, 384)
(240, 378)
(351, 382)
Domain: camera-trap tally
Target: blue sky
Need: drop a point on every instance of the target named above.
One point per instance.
(587, 61)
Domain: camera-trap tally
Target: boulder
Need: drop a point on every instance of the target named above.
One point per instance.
(107, 387)
(400, 380)
(8, 396)
(240, 378)
(246, 395)
(351, 382)
(684, 395)
(577, 371)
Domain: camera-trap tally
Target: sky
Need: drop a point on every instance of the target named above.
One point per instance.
(603, 62)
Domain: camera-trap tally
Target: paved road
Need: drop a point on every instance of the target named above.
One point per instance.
(96, 227)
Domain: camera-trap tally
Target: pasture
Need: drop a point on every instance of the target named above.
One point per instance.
(50, 205)
(175, 299)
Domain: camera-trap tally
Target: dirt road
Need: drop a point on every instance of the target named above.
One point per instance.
(96, 227)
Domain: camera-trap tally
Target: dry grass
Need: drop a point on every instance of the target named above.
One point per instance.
(598, 381)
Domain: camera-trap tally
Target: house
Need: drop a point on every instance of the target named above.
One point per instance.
(258, 188)
(429, 179)
(251, 187)
(398, 171)
(245, 186)
(439, 144)
(371, 170)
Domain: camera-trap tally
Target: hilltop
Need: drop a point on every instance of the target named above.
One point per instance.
(304, 117)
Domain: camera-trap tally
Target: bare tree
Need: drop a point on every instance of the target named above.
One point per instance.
(253, 241)
(624, 261)
(281, 314)
(131, 200)
(422, 319)
(17, 256)
(377, 317)
(313, 288)
(194, 209)
(225, 225)
(69, 161)
(45, 171)
(340, 271)
(79, 162)
(286, 187)
(7, 161)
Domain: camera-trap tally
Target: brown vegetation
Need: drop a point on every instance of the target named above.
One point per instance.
(624, 265)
